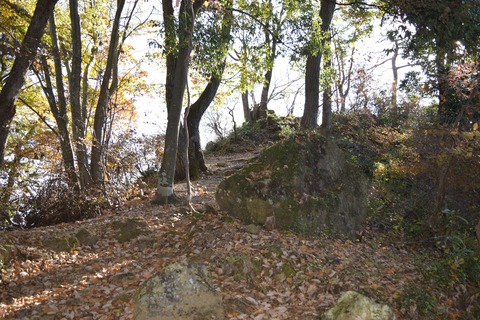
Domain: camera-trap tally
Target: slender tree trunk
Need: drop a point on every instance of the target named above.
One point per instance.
(312, 91)
(78, 114)
(60, 114)
(197, 109)
(23, 60)
(97, 169)
(395, 78)
(448, 105)
(327, 99)
(268, 76)
(195, 114)
(246, 107)
(312, 72)
(176, 84)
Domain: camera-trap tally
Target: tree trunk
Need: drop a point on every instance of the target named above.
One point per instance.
(312, 72)
(395, 78)
(246, 107)
(327, 100)
(196, 110)
(78, 114)
(195, 153)
(176, 84)
(448, 108)
(268, 76)
(97, 169)
(312, 91)
(23, 60)
(61, 119)
(60, 114)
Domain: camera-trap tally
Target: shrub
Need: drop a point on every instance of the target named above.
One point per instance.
(57, 203)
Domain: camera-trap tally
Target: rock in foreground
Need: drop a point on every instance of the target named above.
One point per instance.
(179, 292)
(304, 184)
(353, 306)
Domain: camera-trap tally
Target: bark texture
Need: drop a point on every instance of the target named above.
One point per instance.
(78, 113)
(312, 72)
(177, 75)
(107, 87)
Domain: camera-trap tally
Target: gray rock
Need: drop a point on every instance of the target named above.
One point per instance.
(253, 229)
(354, 306)
(131, 228)
(86, 238)
(8, 253)
(182, 292)
(61, 244)
(145, 242)
(304, 184)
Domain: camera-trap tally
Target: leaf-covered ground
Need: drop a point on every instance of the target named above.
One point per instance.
(262, 274)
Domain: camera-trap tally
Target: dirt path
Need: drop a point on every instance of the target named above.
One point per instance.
(261, 274)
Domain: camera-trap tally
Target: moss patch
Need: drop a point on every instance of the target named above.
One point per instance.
(304, 182)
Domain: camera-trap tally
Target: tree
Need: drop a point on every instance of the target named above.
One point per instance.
(354, 23)
(98, 60)
(257, 32)
(178, 44)
(312, 69)
(440, 26)
(23, 60)
(58, 105)
(78, 111)
(211, 46)
(107, 89)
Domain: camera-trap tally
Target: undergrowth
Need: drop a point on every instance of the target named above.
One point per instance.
(422, 195)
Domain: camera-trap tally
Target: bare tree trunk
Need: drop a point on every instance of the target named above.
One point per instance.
(312, 72)
(60, 113)
(23, 60)
(195, 114)
(327, 92)
(186, 151)
(395, 78)
(78, 115)
(97, 168)
(196, 111)
(263, 107)
(176, 84)
(312, 94)
(246, 107)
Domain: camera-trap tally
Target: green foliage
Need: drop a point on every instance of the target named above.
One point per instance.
(405, 164)
(406, 157)
(211, 41)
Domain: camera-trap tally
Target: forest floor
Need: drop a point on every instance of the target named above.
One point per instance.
(282, 276)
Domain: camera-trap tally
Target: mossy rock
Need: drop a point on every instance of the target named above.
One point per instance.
(130, 228)
(353, 305)
(241, 267)
(62, 244)
(305, 183)
(86, 238)
(8, 253)
(182, 290)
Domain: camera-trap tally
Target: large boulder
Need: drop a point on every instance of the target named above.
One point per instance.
(182, 292)
(304, 184)
(353, 305)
